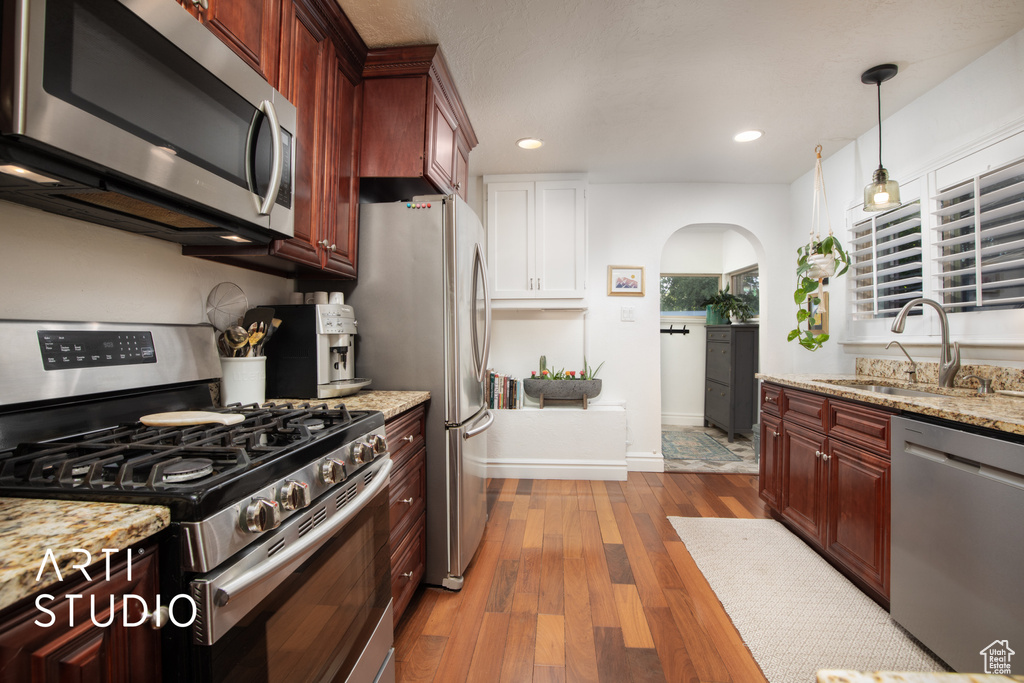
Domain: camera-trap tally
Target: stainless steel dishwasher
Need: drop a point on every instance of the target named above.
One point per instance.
(958, 544)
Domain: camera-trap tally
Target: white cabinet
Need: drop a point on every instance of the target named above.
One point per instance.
(536, 239)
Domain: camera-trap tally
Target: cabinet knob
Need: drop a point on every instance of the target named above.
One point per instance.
(202, 4)
(158, 619)
(825, 456)
(407, 575)
(775, 434)
(408, 437)
(327, 245)
(723, 393)
(724, 351)
(817, 454)
(407, 501)
(769, 399)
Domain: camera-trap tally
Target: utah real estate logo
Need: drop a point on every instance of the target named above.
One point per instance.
(997, 657)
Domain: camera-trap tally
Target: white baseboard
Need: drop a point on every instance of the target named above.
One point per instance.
(645, 462)
(683, 419)
(594, 470)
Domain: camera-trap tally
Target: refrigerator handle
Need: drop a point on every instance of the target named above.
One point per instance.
(470, 433)
(483, 354)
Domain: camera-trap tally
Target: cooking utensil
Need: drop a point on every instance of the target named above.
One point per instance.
(225, 305)
(274, 324)
(263, 314)
(187, 418)
(256, 332)
(236, 338)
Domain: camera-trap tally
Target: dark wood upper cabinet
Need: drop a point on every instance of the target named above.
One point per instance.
(249, 27)
(416, 136)
(319, 71)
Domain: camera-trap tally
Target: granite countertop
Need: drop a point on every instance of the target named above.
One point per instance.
(961, 403)
(910, 677)
(28, 527)
(391, 403)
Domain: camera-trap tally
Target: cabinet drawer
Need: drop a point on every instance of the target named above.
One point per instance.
(408, 495)
(408, 560)
(405, 435)
(806, 409)
(716, 402)
(719, 334)
(718, 361)
(859, 425)
(771, 398)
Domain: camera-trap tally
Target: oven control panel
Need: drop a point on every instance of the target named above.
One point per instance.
(75, 349)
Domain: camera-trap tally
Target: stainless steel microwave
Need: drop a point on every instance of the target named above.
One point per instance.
(131, 114)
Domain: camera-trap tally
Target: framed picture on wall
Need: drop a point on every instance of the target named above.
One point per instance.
(819, 314)
(625, 281)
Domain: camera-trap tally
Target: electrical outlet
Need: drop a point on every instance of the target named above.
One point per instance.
(627, 314)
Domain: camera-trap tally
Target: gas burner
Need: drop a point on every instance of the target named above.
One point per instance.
(187, 470)
(313, 424)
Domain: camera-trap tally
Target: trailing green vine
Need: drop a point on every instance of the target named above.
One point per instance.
(807, 270)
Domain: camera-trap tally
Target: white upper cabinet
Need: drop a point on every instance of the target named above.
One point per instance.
(536, 239)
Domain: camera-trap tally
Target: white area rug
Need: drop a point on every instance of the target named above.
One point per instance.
(793, 610)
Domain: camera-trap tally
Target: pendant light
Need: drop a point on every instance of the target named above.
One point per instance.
(881, 193)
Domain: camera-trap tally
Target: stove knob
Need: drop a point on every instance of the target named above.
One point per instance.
(361, 453)
(294, 495)
(332, 471)
(379, 444)
(262, 515)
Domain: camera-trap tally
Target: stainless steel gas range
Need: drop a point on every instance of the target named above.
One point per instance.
(279, 521)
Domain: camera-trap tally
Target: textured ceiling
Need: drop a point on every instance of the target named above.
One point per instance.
(654, 90)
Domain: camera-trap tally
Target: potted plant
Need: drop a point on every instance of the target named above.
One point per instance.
(563, 384)
(816, 261)
(724, 306)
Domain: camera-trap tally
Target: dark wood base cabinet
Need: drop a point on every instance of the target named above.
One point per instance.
(85, 652)
(406, 438)
(824, 472)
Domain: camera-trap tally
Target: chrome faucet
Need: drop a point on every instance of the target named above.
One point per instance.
(949, 355)
(912, 373)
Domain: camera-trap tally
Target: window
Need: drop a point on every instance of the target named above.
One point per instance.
(746, 285)
(980, 241)
(682, 294)
(886, 262)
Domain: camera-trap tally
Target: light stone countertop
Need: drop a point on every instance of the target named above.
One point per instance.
(911, 677)
(28, 527)
(959, 404)
(391, 403)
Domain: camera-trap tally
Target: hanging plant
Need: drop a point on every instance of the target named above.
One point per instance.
(816, 261)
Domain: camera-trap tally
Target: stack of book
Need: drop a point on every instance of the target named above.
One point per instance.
(504, 392)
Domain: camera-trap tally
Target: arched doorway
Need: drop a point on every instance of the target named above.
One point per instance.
(699, 260)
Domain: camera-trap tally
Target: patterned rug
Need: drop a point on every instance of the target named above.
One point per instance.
(793, 610)
(693, 446)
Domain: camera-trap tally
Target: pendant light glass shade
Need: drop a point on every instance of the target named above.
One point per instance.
(881, 193)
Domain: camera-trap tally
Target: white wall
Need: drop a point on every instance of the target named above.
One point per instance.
(974, 108)
(57, 268)
(696, 249)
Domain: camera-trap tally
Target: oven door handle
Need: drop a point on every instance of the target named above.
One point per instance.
(304, 548)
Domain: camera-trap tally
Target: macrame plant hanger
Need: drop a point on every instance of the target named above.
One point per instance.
(823, 266)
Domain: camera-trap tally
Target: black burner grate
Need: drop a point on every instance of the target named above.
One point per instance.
(134, 457)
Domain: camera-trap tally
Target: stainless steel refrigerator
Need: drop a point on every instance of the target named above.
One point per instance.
(424, 323)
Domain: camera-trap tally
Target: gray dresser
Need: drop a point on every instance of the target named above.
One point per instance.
(729, 384)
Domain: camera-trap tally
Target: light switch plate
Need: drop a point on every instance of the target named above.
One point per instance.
(627, 314)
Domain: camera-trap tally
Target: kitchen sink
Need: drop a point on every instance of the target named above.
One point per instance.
(890, 390)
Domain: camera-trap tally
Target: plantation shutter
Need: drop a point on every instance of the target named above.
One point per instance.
(980, 226)
(886, 262)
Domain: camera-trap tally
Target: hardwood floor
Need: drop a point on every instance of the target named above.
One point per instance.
(585, 581)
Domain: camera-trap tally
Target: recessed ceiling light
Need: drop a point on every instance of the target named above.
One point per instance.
(530, 143)
(748, 135)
